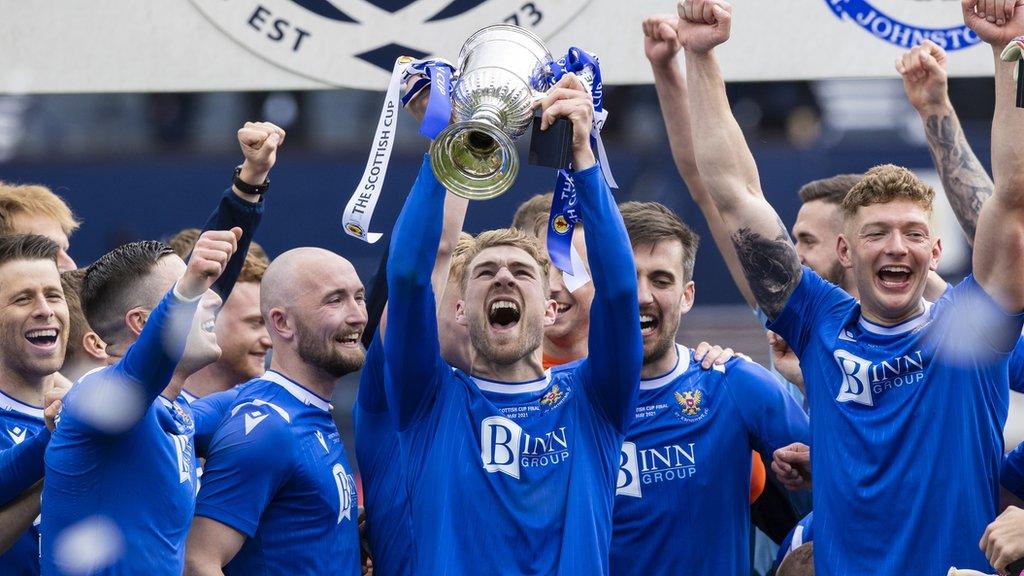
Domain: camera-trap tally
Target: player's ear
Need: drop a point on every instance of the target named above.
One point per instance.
(135, 320)
(95, 346)
(460, 313)
(689, 293)
(550, 312)
(843, 251)
(936, 254)
(277, 322)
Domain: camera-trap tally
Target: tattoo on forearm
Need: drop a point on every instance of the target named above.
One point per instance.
(771, 266)
(966, 183)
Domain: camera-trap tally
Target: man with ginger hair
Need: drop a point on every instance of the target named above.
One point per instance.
(35, 209)
(873, 367)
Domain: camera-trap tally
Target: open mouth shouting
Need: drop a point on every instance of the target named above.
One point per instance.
(894, 277)
(648, 324)
(43, 338)
(503, 314)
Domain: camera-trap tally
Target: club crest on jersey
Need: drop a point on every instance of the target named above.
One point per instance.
(691, 405)
(354, 43)
(554, 397)
(506, 448)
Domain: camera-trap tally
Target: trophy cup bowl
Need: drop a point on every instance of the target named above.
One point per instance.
(503, 69)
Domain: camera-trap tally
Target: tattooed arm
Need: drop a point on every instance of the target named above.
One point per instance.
(765, 251)
(964, 179)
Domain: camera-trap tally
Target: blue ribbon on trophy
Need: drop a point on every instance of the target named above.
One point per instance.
(565, 210)
(360, 207)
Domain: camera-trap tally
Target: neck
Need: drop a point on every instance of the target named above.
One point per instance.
(313, 378)
(849, 285)
(529, 367)
(565, 349)
(173, 389)
(660, 366)
(26, 389)
(915, 310)
(210, 380)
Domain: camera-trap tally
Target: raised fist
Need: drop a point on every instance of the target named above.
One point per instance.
(703, 24)
(660, 42)
(924, 76)
(259, 142)
(995, 21)
(209, 257)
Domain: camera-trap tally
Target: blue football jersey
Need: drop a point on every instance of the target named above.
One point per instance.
(511, 478)
(277, 472)
(684, 473)
(136, 479)
(21, 423)
(389, 528)
(1016, 366)
(897, 409)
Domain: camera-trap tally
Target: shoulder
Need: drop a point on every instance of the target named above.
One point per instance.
(259, 415)
(747, 375)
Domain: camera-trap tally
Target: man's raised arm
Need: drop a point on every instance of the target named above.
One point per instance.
(661, 47)
(999, 242)
(964, 179)
(765, 251)
(411, 346)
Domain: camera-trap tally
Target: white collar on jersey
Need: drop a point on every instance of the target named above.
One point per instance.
(295, 389)
(8, 403)
(901, 328)
(517, 388)
(682, 365)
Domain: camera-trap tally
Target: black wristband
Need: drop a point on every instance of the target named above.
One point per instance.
(246, 188)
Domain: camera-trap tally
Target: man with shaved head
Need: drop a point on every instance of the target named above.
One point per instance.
(278, 494)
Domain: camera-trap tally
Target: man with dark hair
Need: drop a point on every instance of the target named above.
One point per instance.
(278, 493)
(872, 367)
(819, 223)
(34, 329)
(685, 466)
(121, 459)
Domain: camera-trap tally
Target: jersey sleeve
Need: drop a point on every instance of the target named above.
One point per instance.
(371, 396)
(812, 301)
(233, 211)
(22, 466)
(771, 416)
(137, 379)
(615, 354)
(208, 412)
(976, 314)
(251, 457)
(415, 369)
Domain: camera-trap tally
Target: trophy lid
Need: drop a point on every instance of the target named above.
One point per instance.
(510, 33)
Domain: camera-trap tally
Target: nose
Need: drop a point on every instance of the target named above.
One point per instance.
(43, 309)
(643, 293)
(65, 262)
(356, 313)
(555, 279)
(264, 340)
(895, 246)
(504, 277)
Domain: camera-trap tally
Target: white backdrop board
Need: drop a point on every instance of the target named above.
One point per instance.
(204, 45)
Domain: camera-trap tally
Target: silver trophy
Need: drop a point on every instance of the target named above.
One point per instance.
(503, 70)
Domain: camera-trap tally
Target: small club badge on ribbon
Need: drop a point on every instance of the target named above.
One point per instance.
(565, 210)
(435, 74)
